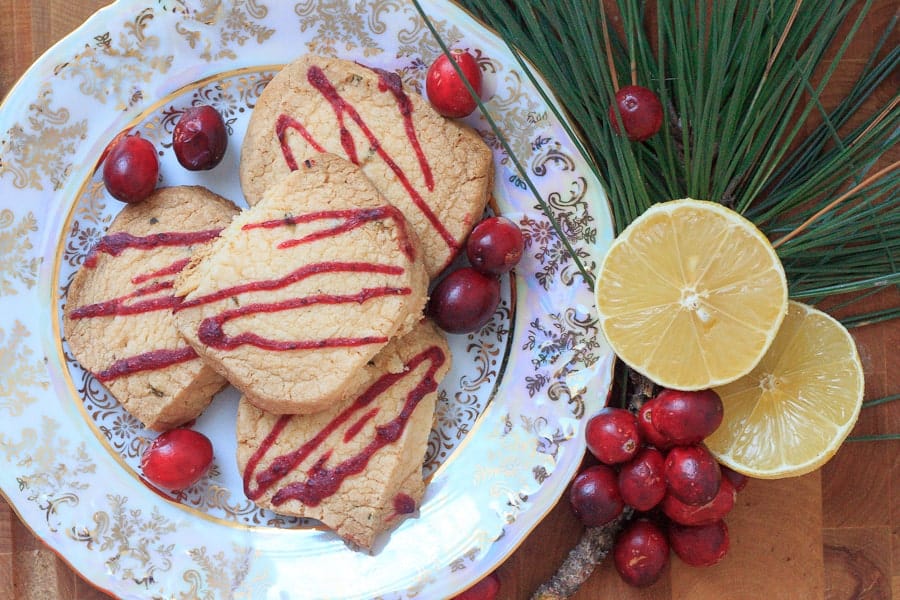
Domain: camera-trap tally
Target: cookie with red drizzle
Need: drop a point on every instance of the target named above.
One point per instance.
(435, 170)
(356, 466)
(304, 288)
(118, 314)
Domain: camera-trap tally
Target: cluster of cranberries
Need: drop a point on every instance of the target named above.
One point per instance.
(131, 166)
(465, 300)
(656, 463)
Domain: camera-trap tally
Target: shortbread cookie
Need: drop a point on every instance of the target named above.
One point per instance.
(356, 467)
(304, 288)
(435, 170)
(118, 314)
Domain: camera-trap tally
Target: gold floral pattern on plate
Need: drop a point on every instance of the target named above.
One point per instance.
(230, 27)
(25, 370)
(37, 151)
(510, 413)
(18, 265)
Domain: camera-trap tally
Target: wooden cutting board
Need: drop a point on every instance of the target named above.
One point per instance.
(832, 534)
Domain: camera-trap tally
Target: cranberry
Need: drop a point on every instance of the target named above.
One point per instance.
(641, 112)
(595, 497)
(692, 474)
(712, 511)
(612, 435)
(464, 301)
(486, 589)
(738, 480)
(641, 553)
(495, 246)
(446, 90)
(200, 138)
(131, 168)
(687, 417)
(177, 459)
(648, 430)
(642, 480)
(699, 545)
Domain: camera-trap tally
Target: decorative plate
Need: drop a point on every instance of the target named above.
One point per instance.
(506, 439)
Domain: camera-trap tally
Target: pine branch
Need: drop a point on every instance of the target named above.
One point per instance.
(591, 550)
(739, 84)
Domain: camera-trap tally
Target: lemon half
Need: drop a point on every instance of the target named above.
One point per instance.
(792, 412)
(691, 294)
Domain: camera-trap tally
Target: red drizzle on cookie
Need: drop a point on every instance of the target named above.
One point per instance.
(211, 329)
(404, 504)
(282, 125)
(147, 298)
(173, 269)
(387, 82)
(322, 479)
(148, 361)
(352, 218)
(116, 243)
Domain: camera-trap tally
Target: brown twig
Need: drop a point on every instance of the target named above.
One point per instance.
(594, 545)
(596, 542)
(641, 389)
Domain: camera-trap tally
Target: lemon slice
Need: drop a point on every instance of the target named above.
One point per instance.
(792, 412)
(691, 294)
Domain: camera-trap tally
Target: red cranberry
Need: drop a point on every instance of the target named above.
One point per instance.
(738, 480)
(641, 553)
(648, 430)
(692, 474)
(712, 511)
(486, 589)
(200, 138)
(177, 459)
(612, 435)
(641, 112)
(699, 545)
(687, 417)
(642, 481)
(464, 301)
(495, 246)
(131, 168)
(446, 90)
(594, 496)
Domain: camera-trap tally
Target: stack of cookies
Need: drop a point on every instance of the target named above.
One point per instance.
(310, 302)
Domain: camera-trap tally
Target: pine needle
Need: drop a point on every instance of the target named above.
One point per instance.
(837, 201)
(877, 437)
(880, 401)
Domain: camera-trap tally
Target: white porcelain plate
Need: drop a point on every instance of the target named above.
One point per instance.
(507, 437)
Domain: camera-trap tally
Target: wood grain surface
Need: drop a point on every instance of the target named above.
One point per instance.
(832, 534)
